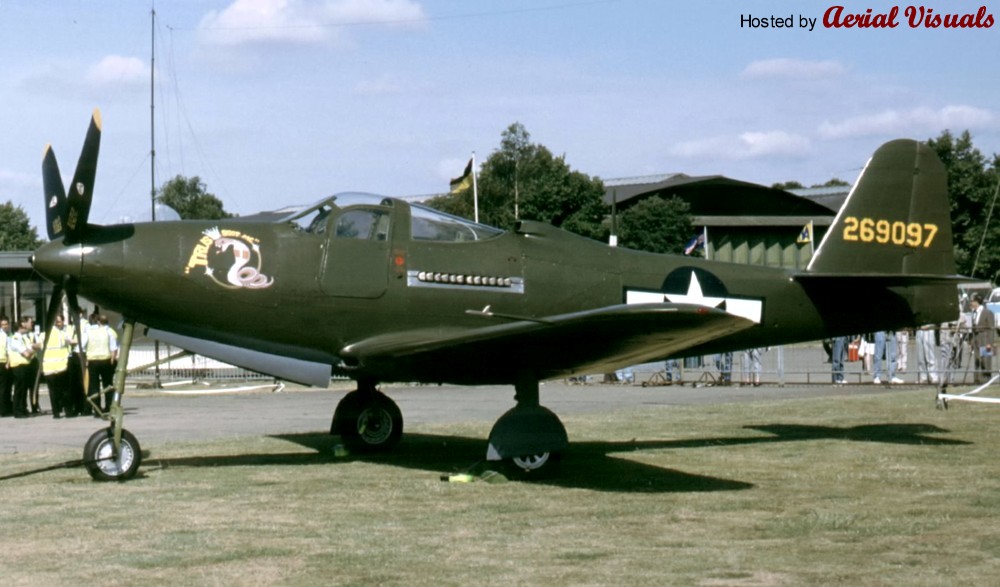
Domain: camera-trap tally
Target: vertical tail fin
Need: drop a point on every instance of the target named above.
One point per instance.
(896, 220)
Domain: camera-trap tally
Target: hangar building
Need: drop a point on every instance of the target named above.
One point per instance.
(743, 222)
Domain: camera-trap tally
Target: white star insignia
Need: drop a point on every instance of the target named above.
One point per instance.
(694, 295)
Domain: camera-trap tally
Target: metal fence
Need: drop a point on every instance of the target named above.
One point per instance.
(178, 365)
(800, 364)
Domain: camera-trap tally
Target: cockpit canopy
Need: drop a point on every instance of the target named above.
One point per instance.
(426, 224)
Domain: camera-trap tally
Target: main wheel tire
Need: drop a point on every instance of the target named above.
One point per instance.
(99, 459)
(368, 421)
(537, 466)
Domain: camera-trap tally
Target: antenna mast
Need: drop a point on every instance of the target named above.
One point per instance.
(152, 159)
(152, 126)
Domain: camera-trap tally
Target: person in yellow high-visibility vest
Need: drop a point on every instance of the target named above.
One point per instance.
(55, 367)
(21, 348)
(100, 343)
(6, 400)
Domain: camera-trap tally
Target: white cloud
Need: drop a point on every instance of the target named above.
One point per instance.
(400, 13)
(792, 69)
(301, 22)
(748, 145)
(907, 122)
(115, 69)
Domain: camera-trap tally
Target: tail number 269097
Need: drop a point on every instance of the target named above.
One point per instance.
(885, 232)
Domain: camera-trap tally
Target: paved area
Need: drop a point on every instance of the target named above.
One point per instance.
(202, 413)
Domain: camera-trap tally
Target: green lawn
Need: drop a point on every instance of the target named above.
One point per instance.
(874, 490)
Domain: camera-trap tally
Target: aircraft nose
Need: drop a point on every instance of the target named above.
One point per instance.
(53, 260)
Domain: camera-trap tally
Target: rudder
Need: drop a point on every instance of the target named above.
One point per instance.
(895, 221)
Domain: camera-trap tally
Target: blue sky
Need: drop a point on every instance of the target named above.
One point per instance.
(273, 102)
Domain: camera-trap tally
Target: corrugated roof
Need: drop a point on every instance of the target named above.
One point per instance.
(717, 195)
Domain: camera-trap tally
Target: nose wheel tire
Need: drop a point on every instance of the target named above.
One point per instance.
(101, 461)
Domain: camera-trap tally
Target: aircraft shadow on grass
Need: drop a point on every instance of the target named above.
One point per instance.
(586, 465)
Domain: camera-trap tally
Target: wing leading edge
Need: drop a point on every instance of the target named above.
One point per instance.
(592, 341)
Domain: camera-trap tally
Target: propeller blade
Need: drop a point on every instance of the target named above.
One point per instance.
(55, 195)
(74, 311)
(81, 191)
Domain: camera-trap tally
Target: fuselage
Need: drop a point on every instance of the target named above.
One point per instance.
(354, 268)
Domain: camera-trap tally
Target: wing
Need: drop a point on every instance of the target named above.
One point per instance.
(593, 341)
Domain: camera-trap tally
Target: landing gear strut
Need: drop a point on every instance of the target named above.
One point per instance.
(529, 437)
(113, 453)
(367, 420)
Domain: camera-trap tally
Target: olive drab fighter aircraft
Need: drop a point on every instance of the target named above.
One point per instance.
(382, 290)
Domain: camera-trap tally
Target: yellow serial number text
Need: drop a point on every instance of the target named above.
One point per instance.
(885, 232)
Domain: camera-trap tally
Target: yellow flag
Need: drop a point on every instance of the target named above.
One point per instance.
(462, 182)
(806, 236)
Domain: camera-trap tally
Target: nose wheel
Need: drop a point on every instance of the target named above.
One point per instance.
(106, 463)
(113, 453)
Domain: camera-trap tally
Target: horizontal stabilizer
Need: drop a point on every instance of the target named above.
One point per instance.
(884, 279)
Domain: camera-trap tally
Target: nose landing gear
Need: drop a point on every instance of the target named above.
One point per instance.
(113, 453)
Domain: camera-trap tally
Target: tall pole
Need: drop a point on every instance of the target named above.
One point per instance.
(613, 239)
(517, 211)
(475, 189)
(152, 119)
(152, 166)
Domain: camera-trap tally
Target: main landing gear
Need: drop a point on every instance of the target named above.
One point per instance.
(113, 453)
(367, 420)
(528, 438)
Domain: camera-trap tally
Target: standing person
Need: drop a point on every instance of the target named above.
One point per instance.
(902, 346)
(885, 349)
(926, 354)
(101, 347)
(724, 363)
(55, 367)
(837, 353)
(21, 348)
(751, 367)
(6, 401)
(866, 348)
(983, 337)
(951, 351)
(672, 370)
(35, 338)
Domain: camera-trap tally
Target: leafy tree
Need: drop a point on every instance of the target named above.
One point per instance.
(794, 185)
(16, 232)
(188, 197)
(656, 225)
(523, 180)
(972, 185)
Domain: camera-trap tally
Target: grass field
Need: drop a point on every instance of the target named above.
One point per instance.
(875, 490)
